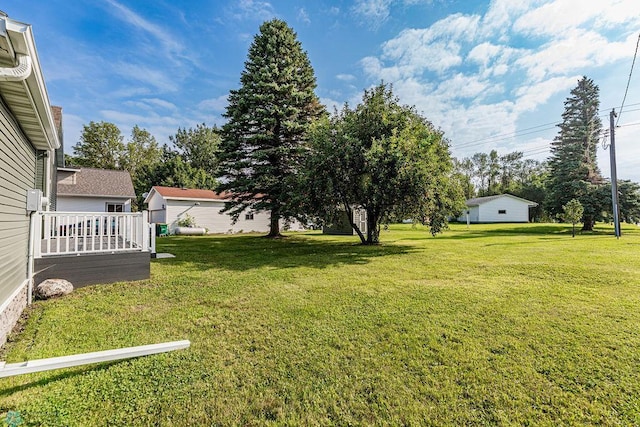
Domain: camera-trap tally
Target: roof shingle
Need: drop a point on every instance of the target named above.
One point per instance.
(95, 182)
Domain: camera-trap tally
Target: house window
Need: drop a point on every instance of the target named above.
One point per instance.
(248, 217)
(502, 211)
(115, 207)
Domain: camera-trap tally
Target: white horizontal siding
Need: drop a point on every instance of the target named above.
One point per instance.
(516, 210)
(209, 216)
(88, 204)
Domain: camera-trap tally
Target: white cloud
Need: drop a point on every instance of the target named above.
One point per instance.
(156, 78)
(374, 11)
(160, 103)
(501, 14)
(346, 77)
(303, 16)
(575, 50)
(554, 18)
(437, 48)
(252, 10)
(218, 104)
(529, 97)
(169, 41)
(331, 104)
(462, 86)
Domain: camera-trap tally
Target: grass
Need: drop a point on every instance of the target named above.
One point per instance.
(495, 325)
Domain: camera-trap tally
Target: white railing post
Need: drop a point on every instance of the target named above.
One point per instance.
(67, 233)
(144, 231)
(37, 234)
(152, 234)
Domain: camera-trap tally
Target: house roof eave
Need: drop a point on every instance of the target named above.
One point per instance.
(27, 98)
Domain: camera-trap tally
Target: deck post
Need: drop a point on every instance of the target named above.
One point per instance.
(151, 232)
(144, 231)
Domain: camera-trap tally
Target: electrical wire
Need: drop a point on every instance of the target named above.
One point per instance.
(527, 131)
(629, 80)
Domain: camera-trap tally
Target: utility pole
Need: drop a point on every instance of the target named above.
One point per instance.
(614, 174)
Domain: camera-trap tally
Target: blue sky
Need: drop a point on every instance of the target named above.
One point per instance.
(492, 74)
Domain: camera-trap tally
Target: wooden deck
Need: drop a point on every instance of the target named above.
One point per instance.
(89, 248)
(91, 269)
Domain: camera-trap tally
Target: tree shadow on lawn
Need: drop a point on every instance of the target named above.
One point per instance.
(546, 231)
(252, 251)
(57, 376)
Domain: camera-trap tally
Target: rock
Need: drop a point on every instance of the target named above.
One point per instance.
(53, 288)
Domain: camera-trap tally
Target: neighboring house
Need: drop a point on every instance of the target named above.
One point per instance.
(28, 140)
(94, 190)
(168, 205)
(499, 208)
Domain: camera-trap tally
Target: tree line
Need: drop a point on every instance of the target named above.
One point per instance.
(191, 161)
(281, 151)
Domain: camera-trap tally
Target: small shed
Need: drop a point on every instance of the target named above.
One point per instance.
(94, 190)
(342, 226)
(498, 208)
(168, 205)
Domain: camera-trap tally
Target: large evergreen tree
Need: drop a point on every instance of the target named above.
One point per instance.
(573, 169)
(268, 117)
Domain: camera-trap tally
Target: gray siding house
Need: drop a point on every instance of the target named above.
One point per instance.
(28, 140)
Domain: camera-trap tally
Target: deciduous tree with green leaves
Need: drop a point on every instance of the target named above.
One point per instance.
(199, 146)
(173, 171)
(573, 169)
(385, 158)
(572, 212)
(101, 146)
(262, 149)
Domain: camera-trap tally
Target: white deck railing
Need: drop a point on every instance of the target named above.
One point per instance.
(68, 233)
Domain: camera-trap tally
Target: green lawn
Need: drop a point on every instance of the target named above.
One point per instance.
(495, 325)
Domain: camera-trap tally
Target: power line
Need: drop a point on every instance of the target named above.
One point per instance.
(506, 137)
(629, 124)
(629, 80)
(522, 132)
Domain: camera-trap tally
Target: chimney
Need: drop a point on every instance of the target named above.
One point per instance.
(57, 120)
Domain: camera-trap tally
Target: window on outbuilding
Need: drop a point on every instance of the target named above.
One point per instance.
(115, 207)
(502, 211)
(248, 217)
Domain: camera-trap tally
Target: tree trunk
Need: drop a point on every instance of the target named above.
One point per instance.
(373, 228)
(274, 225)
(588, 223)
(349, 212)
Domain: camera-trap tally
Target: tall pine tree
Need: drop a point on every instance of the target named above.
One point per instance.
(573, 169)
(268, 117)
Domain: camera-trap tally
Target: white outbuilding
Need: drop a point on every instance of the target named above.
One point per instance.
(498, 208)
(170, 205)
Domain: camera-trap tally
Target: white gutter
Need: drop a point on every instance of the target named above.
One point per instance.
(18, 73)
(39, 365)
(18, 38)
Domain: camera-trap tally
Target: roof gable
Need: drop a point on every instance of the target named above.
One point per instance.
(177, 193)
(94, 183)
(482, 200)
